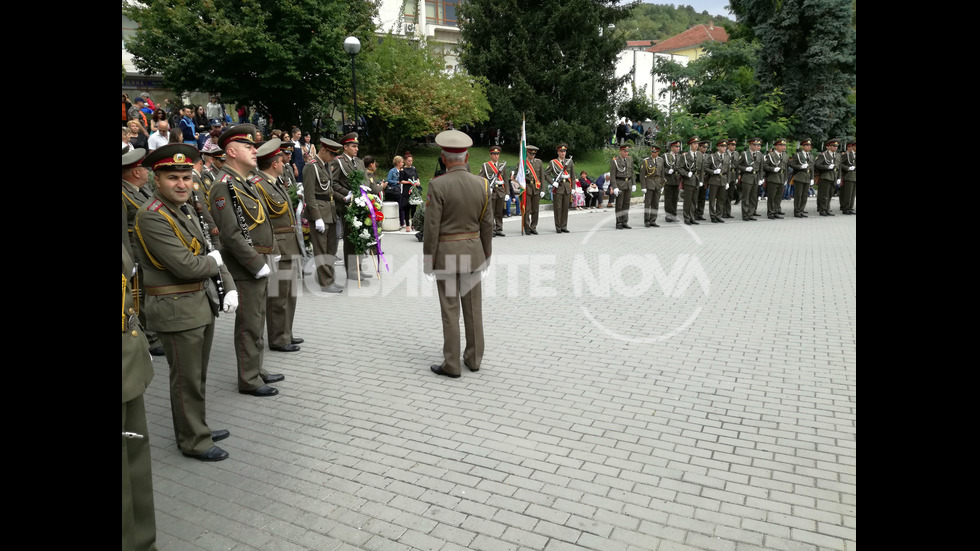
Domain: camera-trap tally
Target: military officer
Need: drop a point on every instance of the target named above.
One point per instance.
(703, 177)
(281, 303)
(139, 529)
(717, 167)
(456, 246)
(672, 184)
(199, 198)
(321, 211)
(775, 164)
(622, 185)
(249, 247)
(558, 174)
(827, 166)
(689, 166)
(182, 300)
(848, 167)
(493, 171)
(134, 193)
(532, 176)
(733, 191)
(652, 177)
(802, 165)
(207, 175)
(341, 170)
(750, 168)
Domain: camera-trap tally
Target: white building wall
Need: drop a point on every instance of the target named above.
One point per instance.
(638, 64)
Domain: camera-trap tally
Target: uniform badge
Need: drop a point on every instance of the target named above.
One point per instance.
(196, 186)
(179, 158)
(220, 203)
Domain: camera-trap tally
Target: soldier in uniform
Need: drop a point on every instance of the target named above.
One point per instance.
(456, 246)
(775, 164)
(717, 167)
(848, 167)
(533, 194)
(182, 300)
(559, 175)
(341, 169)
(281, 303)
(139, 528)
(134, 194)
(750, 167)
(321, 201)
(199, 201)
(672, 187)
(702, 197)
(652, 177)
(733, 191)
(827, 166)
(207, 175)
(802, 165)
(689, 166)
(493, 171)
(249, 247)
(622, 185)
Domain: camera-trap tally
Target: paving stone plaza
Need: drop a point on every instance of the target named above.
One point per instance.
(681, 387)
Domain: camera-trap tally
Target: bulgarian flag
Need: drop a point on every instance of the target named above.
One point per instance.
(520, 173)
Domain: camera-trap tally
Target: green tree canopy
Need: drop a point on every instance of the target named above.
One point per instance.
(662, 21)
(407, 94)
(284, 56)
(552, 61)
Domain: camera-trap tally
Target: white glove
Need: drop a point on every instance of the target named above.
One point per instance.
(850, 168)
(717, 171)
(804, 166)
(838, 181)
(726, 186)
(484, 272)
(542, 195)
(616, 192)
(276, 258)
(777, 169)
(830, 167)
(555, 185)
(263, 272)
(749, 169)
(644, 191)
(231, 301)
(506, 197)
(700, 184)
(634, 188)
(811, 181)
(430, 276)
(349, 195)
(320, 226)
(217, 257)
(671, 171)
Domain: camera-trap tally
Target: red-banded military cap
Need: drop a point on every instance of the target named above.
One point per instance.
(835, 143)
(722, 142)
(654, 149)
(132, 157)
(287, 148)
(453, 141)
(732, 141)
(779, 141)
(211, 150)
(703, 142)
(693, 139)
(494, 149)
(755, 141)
(268, 148)
(562, 147)
(350, 137)
(624, 145)
(852, 142)
(806, 141)
(673, 143)
(531, 148)
(173, 156)
(330, 145)
(244, 133)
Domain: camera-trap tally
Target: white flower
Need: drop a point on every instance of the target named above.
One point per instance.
(357, 223)
(365, 234)
(360, 202)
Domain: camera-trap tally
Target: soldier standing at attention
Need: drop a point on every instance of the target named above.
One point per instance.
(341, 170)
(775, 167)
(621, 172)
(182, 300)
(848, 166)
(733, 191)
(321, 211)
(456, 246)
(672, 187)
(249, 248)
(717, 167)
(534, 193)
(688, 167)
(702, 178)
(802, 165)
(828, 167)
(493, 171)
(750, 165)
(559, 175)
(652, 177)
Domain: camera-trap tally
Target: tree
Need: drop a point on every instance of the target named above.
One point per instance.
(284, 56)
(726, 73)
(552, 61)
(639, 107)
(808, 51)
(407, 94)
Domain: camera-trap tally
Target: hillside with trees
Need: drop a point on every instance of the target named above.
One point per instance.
(662, 21)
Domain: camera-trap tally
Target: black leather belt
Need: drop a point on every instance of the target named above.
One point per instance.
(323, 197)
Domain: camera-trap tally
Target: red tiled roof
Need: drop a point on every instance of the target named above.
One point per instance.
(696, 35)
(633, 43)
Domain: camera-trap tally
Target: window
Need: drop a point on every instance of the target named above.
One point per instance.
(441, 12)
(411, 12)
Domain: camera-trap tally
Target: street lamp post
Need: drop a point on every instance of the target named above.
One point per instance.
(352, 46)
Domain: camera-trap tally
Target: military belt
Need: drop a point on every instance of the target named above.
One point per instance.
(263, 250)
(174, 289)
(322, 197)
(283, 229)
(459, 236)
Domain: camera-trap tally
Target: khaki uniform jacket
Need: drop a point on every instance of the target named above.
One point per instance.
(132, 199)
(552, 171)
(340, 171)
(822, 166)
(748, 159)
(497, 183)
(652, 173)
(621, 172)
(243, 260)
(281, 214)
(176, 269)
(801, 175)
(318, 193)
(137, 367)
(690, 165)
(717, 161)
(533, 181)
(771, 161)
(849, 159)
(670, 164)
(458, 223)
(374, 185)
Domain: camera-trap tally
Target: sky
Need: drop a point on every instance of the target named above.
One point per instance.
(714, 7)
